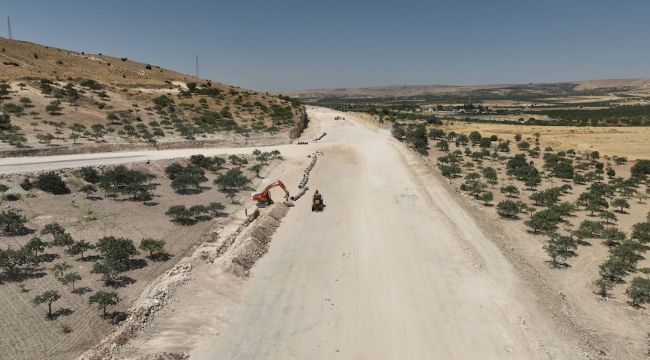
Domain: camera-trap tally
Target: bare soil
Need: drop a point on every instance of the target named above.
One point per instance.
(27, 333)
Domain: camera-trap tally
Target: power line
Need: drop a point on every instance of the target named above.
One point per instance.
(9, 27)
(197, 67)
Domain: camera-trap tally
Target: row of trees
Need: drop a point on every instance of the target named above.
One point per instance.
(624, 252)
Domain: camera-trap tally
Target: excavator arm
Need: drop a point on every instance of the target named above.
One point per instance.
(264, 198)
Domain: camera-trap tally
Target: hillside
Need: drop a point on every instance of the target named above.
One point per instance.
(548, 89)
(61, 101)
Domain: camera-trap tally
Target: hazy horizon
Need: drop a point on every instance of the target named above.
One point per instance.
(294, 45)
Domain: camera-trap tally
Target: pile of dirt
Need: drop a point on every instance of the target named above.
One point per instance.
(254, 242)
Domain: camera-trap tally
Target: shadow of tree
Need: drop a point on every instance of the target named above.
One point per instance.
(82, 290)
(120, 281)
(61, 312)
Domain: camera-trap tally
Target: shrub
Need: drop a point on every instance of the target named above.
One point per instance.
(12, 223)
(508, 209)
(154, 247)
(89, 174)
(232, 180)
(52, 183)
(641, 169)
(639, 291)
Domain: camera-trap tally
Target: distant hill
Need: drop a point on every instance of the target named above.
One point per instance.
(564, 88)
(113, 102)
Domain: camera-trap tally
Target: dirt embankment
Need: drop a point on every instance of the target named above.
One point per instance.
(263, 140)
(235, 248)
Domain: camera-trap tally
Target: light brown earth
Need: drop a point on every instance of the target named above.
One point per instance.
(26, 333)
(130, 88)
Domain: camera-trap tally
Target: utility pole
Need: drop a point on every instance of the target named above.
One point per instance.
(9, 27)
(197, 67)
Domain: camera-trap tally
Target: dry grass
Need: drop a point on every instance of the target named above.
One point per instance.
(630, 142)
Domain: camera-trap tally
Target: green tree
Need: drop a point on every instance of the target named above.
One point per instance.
(543, 221)
(153, 246)
(80, 247)
(641, 169)
(608, 216)
(54, 107)
(436, 134)
(612, 236)
(621, 203)
(25, 101)
(487, 197)
(189, 180)
(89, 174)
(70, 279)
(181, 215)
(256, 169)
(559, 248)
(641, 232)
(443, 145)
(89, 190)
(590, 229)
(475, 137)
(52, 183)
(613, 269)
(109, 268)
(216, 209)
(508, 209)
(398, 131)
(117, 249)
(59, 269)
(510, 190)
(104, 299)
(49, 297)
(490, 174)
(12, 223)
(12, 260)
(604, 286)
(232, 180)
(639, 291)
(611, 172)
(36, 245)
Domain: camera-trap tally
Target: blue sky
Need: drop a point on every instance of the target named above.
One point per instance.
(288, 45)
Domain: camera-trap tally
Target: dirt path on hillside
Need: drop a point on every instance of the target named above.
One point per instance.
(393, 268)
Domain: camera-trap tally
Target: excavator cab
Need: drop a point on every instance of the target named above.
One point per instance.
(317, 202)
(264, 198)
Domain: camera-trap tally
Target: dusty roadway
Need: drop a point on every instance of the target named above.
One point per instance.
(393, 269)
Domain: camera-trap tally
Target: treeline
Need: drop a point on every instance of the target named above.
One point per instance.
(627, 115)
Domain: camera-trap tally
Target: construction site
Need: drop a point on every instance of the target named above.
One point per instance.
(153, 214)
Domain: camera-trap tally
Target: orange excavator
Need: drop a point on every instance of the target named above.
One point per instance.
(264, 198)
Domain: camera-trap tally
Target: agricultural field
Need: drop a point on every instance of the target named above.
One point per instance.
(630, 142)
(80, 246)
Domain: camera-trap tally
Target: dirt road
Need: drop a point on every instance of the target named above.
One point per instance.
(392, 269)
(12, 165)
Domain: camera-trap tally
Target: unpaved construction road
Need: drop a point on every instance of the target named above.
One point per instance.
(394, 268)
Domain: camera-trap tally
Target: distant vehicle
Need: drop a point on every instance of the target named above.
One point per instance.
(317, 202)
